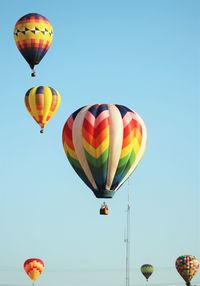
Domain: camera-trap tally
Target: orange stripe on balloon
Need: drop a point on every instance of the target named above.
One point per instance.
(132, 124)
(54, 103)
(95, 131)
(129, 139)
(27, 103)
(39, 101)
(95, 142)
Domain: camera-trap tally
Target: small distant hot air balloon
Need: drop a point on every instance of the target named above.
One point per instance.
(147, 270)
(34, 268)
(42, 103)
(33, 35)
(104, 144)
(187, 266)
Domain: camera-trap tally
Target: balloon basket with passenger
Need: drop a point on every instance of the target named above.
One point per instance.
(103, 209)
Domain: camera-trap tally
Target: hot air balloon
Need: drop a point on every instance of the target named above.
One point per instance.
(42, 103)
(187, 266)
(104, 144)
(33, 35)
(147, 270)
(33, 268)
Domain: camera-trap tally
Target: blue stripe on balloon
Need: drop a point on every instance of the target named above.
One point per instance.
(53, 91)
(76, 112)
(123, 109)
(40, 54)
(27, 93)
(97, 109)
(39, 90)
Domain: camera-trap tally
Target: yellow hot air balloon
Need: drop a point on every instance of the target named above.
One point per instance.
(33, 35)
(42, 103)
(33, 268)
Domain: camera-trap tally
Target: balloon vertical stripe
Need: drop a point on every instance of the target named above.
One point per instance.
(130, 145)
(70, 150)
(96, 123)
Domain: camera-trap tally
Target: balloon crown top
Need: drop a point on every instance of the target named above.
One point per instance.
(32, 16)
(33, 259)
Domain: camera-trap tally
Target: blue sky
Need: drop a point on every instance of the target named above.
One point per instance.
(142, 54)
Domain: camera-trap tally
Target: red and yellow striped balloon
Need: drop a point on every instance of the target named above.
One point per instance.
(104, 144)
(33, 267)
(42, 103)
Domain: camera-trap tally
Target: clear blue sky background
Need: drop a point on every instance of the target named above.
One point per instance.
(142, 54)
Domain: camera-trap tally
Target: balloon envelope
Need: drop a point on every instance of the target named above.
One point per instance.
(187, 266)
(33, 35)
(104, 144)
(33, 267)
(42, 103)
(147, 270)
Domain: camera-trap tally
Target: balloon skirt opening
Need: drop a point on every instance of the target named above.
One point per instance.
(103, 194)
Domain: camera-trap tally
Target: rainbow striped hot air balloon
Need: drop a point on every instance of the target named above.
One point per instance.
(104, 144)
(33, 268)
(33, 35)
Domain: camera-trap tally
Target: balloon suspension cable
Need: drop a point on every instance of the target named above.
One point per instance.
(127, 239)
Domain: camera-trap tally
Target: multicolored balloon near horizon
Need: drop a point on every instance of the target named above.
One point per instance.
(147, 270)
(33, 35)
(104, 144)
(187, 266)
(42, 103)
(34, 268)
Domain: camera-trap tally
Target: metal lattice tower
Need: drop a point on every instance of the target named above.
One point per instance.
(127, 240)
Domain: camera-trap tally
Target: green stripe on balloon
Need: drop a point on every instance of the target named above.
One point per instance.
(97, 162)
(98, 167)
(78, 169)
(124, 166)
(125, 163)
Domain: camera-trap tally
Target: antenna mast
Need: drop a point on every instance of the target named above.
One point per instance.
(127, 240)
